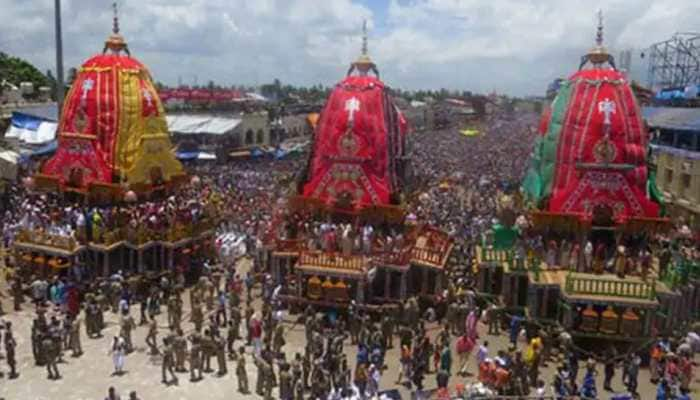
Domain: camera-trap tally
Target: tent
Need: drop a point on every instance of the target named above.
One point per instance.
(31, 129)
(198, 124)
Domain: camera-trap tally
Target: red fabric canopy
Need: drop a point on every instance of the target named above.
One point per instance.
(591, 171)
(358, 140)
(77, 163)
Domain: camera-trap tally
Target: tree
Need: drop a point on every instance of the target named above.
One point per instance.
(16, 70)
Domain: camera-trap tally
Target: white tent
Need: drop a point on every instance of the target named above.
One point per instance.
(197, 124)
(45, 132)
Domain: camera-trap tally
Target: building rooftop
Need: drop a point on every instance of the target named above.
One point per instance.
(672, 118)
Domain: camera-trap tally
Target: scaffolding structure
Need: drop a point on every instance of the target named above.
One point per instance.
(675, 63)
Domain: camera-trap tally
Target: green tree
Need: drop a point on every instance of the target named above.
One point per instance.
(16, 70)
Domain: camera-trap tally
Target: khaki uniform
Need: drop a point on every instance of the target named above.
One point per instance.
(50, 350)
(195, 361)
(152, 337)
(17, 294)
(299, 390)
(286, 385)
(278, 341)
(10, 345)
(221, 356)
(168, 363)
(74, 338)
(241, 374)
(127, 325)
(260, 381)
(180, 347)
(269, 382)
(197, 317)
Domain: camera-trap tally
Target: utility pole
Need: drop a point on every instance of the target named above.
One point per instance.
(59, 58)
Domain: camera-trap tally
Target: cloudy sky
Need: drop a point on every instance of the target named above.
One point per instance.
(511, 46)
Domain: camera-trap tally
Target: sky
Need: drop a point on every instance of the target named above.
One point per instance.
(514, 47)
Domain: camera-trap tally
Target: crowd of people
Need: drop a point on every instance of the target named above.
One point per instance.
(458, 183)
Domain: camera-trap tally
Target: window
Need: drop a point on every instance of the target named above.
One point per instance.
(685, 181)
(685, 140)
(261, 136)
(666, 138)
(249, 136)
(669, 176)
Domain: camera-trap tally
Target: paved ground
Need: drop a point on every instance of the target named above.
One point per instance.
(89, 376)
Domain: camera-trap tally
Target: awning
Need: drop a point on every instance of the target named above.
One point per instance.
(240, 154)
(30, 129)
(201, 125)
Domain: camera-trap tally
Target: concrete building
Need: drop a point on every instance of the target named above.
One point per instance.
(675, 152)
(254, 130)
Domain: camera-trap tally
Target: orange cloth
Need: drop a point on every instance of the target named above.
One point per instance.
(501, 375)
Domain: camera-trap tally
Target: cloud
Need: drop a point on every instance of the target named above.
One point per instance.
(509, 45)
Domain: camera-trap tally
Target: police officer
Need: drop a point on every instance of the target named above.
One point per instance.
(241, 373)
(10, 346)
(180, 348)
(168, 361)
(195, 359)
(152, 336)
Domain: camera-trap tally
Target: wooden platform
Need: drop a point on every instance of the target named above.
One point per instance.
(51, 250)
(602, 289)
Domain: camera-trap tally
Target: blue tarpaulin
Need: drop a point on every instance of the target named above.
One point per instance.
(31, 129)
(279, 153)
(48, 148)
(194, 155)
(257, 152)
(25, 121)
(187, 155)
